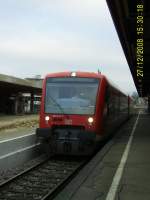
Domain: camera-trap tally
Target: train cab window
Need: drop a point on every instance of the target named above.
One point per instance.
(71, 95)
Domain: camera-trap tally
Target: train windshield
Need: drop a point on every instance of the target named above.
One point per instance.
(71, 95)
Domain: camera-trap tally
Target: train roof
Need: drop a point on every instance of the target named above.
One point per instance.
(111, 83)
(77, 73)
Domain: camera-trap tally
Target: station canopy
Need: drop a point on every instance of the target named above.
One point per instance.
(132, 22)
(12, 85)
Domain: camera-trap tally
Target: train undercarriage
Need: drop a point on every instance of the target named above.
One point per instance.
(68, 140)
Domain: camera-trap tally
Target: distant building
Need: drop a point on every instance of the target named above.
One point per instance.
(38, 81)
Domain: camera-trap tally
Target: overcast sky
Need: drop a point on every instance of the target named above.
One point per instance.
(39, 37)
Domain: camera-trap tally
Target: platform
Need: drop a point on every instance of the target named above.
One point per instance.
(121, 170)
(12, 126)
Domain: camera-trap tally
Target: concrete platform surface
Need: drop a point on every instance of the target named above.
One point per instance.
(99, 178)
(135, 182)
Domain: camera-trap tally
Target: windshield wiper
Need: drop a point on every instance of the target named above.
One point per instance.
(57, 104)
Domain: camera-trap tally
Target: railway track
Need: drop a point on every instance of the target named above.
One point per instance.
(41, 182)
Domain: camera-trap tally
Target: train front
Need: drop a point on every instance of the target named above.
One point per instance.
(67, 120)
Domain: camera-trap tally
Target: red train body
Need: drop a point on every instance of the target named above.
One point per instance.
(78, 110)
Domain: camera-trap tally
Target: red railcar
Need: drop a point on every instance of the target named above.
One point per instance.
(78, 110)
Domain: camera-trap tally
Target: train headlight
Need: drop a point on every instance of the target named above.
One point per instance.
(90, 120)
(73, 74)
(47, 118)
